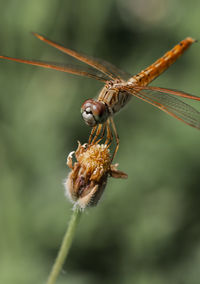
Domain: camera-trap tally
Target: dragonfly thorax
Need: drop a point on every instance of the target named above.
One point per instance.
(94, 112)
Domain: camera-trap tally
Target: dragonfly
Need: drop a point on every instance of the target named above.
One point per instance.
(119, 87)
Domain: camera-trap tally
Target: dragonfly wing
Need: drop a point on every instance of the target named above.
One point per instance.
(115, 71)
(107, 68)
(170, 92)
(73, 69)
(169, 104)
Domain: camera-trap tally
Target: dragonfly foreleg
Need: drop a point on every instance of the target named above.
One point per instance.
(98, 131)
(92, 134)
(102, 134)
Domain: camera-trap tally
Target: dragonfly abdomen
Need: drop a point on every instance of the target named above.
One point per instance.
(147, 75)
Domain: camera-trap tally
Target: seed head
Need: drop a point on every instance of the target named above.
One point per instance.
(88, 177)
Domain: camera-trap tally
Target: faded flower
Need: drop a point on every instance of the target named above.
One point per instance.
(88, 178)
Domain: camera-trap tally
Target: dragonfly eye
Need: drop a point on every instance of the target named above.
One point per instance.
(93, 112)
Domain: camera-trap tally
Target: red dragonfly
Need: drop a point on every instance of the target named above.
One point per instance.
(120, 87)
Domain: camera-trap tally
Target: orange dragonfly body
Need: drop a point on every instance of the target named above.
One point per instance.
(120, 87)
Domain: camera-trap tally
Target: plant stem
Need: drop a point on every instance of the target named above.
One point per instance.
(65, 246)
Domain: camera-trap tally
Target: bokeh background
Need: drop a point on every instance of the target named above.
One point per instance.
(146, 229)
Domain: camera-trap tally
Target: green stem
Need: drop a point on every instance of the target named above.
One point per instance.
(65, 246)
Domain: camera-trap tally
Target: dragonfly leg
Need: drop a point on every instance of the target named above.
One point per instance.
(116, 137)
(92, 134)
(109, 137)
(102, 134)
(98, 131)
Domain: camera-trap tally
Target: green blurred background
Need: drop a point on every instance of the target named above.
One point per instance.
(146, 229)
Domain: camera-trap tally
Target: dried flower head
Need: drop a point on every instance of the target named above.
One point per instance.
(88, 178)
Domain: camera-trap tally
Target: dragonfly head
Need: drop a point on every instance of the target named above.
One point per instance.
(94, 112)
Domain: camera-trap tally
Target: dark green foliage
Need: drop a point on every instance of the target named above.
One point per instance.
(146, 229)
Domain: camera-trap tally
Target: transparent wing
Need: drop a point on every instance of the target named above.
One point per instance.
(170, 92)
(116, 72)
(107, 68)
(169, 104)
(72, 69)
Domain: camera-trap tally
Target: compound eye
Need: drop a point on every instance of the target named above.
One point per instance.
(93, 112)
(88, 117)
(98, 110)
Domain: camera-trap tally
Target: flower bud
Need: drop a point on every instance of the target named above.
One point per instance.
(88, 177)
